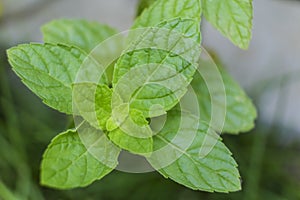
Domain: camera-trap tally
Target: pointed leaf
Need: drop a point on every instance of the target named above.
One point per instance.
(164, 10)
(201, 163)
(233, 18)
(67, 163)
(48, 70)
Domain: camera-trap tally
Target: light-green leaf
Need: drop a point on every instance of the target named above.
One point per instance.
(154, 72)
(67, 163)
(103, 104)
(233, 18)
(135, 138)
(240, 111)
(93, 102)
(165, 57)
(163, 73)
(201, 163)
(74, 32)
(48, 70)
(130, 143)
(164, 10)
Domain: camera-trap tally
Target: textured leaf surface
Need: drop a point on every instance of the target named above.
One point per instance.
(164, 10)
(48, 70)
(68, 164)
(173, 30)
(240, 111)
(154, 85)
(214, 171)
(160, 65)
(159, 57)
(80, 33)
(233, 18)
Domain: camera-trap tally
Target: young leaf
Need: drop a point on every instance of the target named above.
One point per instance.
(164, 10)
(240, 111)
(215, 170)
(93, 102)
(48, 70)
(135, 139)
(67, 163)
(103, 104)
(130, 143)
(233, 18)
(80, 33)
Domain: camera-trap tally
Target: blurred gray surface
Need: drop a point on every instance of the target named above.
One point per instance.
(25, 26)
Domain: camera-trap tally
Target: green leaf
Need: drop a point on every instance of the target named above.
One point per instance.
(67, 163)
(152, 88)
(233, 18)
(93, 102)
(189, 28)
(87, 36)
(80, 33)
(103, 104)
(240, 111)
(48, 70)
(166, 57)
(165, 66)
(164, 10)
(152, 39)
(130, 131)
(130, 143)
(201, 162)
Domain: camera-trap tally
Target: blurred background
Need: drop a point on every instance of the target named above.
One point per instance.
(269, 71)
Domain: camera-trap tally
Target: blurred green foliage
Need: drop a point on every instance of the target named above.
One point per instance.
(1, 8)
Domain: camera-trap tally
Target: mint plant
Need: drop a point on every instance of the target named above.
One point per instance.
(147, 91)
